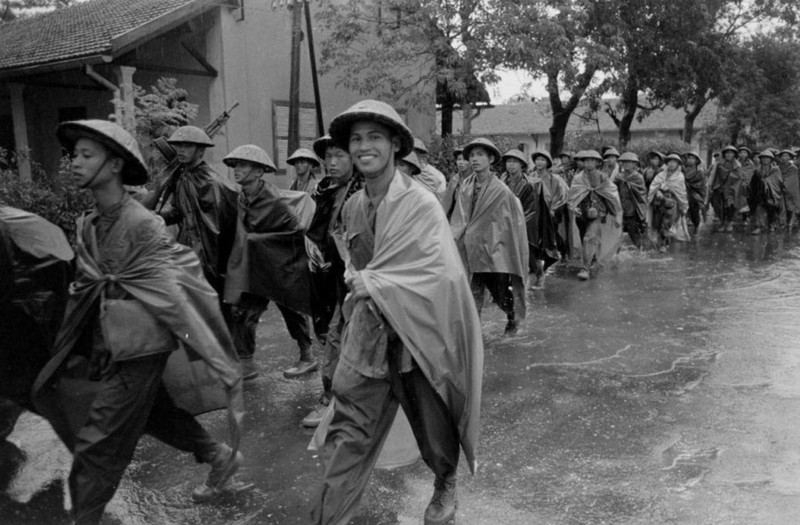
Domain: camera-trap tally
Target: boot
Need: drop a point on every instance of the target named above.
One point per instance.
(249, 369)
(511, 327)
(220, 477)
(442, 507)
(583, 275)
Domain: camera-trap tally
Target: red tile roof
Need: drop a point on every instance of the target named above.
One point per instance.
(81, 30)
(534, 118)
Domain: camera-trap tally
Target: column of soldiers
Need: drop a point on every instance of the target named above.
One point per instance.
(378, 257)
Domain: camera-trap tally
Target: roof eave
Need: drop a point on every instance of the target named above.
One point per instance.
(49, 67)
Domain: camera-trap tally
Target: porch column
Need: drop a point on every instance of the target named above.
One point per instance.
(124, 76)
(20, 131)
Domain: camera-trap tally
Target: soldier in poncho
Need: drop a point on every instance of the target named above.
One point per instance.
(413, 337)
(748, 168)
(268, 262)
(203, 205)
(454, 182)
(725, 188)
(489, 229)
(633, 197)
(791, 190)
(766, 194)
(610, 165)
(566, 167)
(655, 163)
(668, 204)
(547, 220)
(594, 202)
(696, 189)
(304, 162)
(327, 266)
(136, 297)
(429, 176)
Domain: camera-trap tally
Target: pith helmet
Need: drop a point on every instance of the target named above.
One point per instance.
(745, 148)
(191, 135)
(787, 151)
(486, 144)
(694, 154)
(458, 151)
(373, 110)
(515, 154)
(322, 144)
(420, 146)
(589, 154)
(544, 154)
(565, 154)
(675, 156)
(250, 153)
(629, 156)
(413, 160)
(767, 153)
(730, 148)
(656, 153)
(303, 154)
(113, 137)
(610, 151)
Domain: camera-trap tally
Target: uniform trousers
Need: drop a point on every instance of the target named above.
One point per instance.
(244, 321)
(132, 400)
(365, 408)
(499, 285)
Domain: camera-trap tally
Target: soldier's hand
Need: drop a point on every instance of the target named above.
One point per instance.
(357, 286)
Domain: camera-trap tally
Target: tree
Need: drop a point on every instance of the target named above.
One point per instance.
(762, 105)
(565, 42)
(12, 9)
(400, 49)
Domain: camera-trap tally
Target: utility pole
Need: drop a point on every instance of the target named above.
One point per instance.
(294, 79)
(312, 56)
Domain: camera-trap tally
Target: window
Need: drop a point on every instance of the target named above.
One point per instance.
(280, 131)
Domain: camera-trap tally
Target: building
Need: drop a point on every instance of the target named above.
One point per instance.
(75, 62)
(528, 124)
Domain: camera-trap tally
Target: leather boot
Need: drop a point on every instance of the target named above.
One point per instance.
(442, 508)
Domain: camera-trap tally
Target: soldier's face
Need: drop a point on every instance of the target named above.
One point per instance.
(673, 164)
(246, 172)
(728, 155)
(302, 167)
(743, 154)
(92, 164)
(786, 157)
(480, 160)
(513, 166)
(462, 163)
(611, 160)
(627, 166)
(372, 147)
(187, 153)
(338, 163)
(540, 163)
(766, 161)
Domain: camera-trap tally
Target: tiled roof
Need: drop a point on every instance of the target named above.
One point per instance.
(534, 118)
(81, 30)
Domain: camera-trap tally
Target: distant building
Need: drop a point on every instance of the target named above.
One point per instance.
(71, 64)
(528, 124)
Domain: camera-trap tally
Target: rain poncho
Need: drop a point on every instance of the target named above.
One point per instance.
(450, 194)
(546, 230)
(632, 194)
(766, 188)
(492, 238)
(415, 282)
(725, 186)
(434, 180)
(696, 189)
(269, 258)
(204, 207)
(35, 271)
(791, 187)
(672, 183)
(166, 278)
(605, 193)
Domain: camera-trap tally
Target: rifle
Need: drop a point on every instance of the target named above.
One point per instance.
(156, 199)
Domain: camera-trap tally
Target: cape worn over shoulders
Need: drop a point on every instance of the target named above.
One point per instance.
(417, 281)
(606, 190)
(167, 279)
(269, 257)
(493, 237)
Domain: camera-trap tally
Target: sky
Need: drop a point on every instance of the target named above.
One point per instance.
(513, 82)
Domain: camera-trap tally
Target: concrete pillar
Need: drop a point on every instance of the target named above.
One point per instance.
(124, 76)
(20, 131)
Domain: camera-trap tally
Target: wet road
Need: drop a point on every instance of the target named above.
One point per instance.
(667, 390)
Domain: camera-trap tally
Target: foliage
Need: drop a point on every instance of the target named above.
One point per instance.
(157, 113)
(764, 105)
(398, 50)
(51, 196)
(12, 9)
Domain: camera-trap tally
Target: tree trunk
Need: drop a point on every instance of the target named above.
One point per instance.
(466, 115)
(558, 130)
(688, 121)
(447, 120)
(630, 103)
(562, 112)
